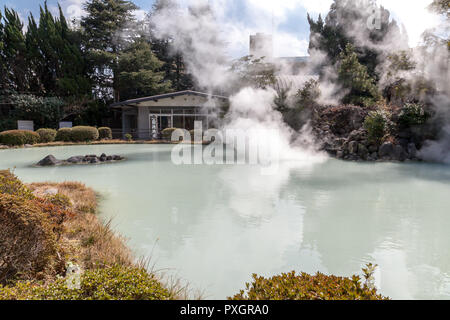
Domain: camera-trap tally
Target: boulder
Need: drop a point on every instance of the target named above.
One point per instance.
(49, 160)
(353, 147)
(50, 192)
(399, 153)
(373, 148)
(362, 150)
(117, 158)
(412, 150)
(94, 160)
(76, 159)
(386, 150)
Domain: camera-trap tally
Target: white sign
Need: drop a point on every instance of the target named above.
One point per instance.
(25, 125)
(66, 124)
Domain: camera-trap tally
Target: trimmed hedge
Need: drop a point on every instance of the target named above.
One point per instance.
(105, 133)
(64, 134)
(19, 137)
(167, 133)
(116, 283)
(84, 134)
(46, 135)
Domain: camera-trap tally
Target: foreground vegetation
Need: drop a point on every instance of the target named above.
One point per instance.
(42, 234)
(47, 228)
(291, 286)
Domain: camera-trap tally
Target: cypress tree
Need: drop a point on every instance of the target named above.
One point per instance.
(14, 52)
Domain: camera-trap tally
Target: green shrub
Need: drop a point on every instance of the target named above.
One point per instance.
(167, 133)
(115, 283)
(10, 184)
(291, 286)
(413, 114)
(64, 134)
(105, 133)
(46, 135)
(128, 137)
(31, 137)
(18, 137)
(84, 134)
(377, 125)
(27, 239)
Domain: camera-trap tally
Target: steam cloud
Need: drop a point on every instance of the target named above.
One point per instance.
(196, 32)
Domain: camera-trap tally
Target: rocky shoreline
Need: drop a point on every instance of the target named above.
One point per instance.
(340, 132)
(50, 160)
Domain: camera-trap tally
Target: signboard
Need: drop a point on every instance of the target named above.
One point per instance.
(66, 124)
(154, 127)
(25, 125)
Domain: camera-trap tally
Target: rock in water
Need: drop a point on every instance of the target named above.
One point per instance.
(76, 159)
(49, 161)
(386, 150)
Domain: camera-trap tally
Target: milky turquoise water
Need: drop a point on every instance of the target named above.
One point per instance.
(214, 226)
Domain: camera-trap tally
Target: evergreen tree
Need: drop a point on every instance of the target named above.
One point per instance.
(354, 76)
(138, 72)
(347, 22)
(174, 67)
(14, 52)
(105, 36)
(2, 58)
(55, 57)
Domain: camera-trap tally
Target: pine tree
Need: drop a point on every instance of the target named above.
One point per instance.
(354, 76)
(347, 23)
(138, 72)
(174, 66)
(105, 36)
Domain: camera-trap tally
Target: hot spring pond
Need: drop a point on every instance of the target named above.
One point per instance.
(216, 225)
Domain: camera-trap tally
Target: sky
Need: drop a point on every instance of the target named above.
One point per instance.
(286, 19)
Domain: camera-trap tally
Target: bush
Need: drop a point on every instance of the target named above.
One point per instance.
(84, 134)
(64, 134)
(167, 133)
(291, 286)
(26, 238)
(47, 135)
(412, 115)
(18, 137)
(376, 124)
(128, 137)
(10, 184)
(105, 133)
(115, 283)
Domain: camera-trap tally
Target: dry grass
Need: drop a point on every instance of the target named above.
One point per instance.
(86, 240)
(92, 244)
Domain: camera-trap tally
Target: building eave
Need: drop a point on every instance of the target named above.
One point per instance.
(135, 102)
